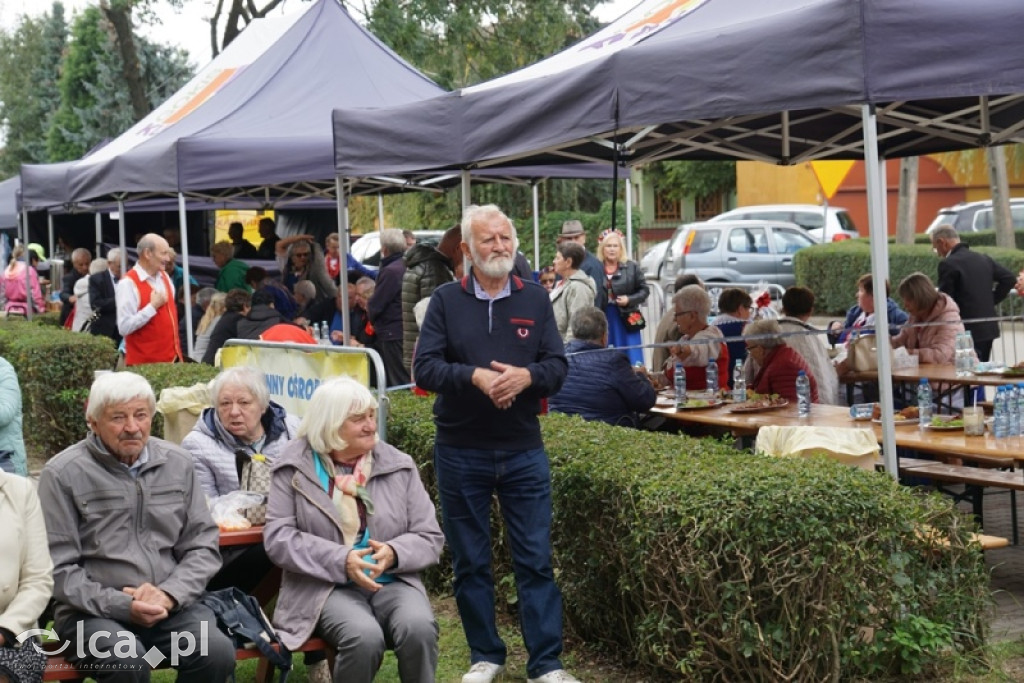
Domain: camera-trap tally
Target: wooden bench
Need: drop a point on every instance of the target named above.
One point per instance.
(974, 480)
(60, 669)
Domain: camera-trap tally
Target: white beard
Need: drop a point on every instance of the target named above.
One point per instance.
(497, 266)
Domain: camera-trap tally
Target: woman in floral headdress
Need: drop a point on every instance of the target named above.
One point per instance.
(627, 289)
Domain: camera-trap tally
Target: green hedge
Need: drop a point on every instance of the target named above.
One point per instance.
(831, 270)
(695, 561)
(55, 370)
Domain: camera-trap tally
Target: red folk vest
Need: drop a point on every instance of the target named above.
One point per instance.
(697, 375)
(157, 341)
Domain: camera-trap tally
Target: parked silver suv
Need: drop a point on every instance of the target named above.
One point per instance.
(736, 251)
(825, 224)
(976, 216)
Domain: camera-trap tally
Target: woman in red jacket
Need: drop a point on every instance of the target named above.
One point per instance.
(778, 364)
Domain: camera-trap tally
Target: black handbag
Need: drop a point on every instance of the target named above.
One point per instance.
(633, 320)
(23, 663)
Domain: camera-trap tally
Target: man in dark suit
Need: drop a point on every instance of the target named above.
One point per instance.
(80, 260)
(101, 297)
(975, 282)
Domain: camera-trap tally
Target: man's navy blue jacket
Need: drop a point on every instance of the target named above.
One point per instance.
(602, 385)
(455, 340)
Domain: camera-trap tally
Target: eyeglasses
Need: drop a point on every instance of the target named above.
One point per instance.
(301, 254)
(680, 313)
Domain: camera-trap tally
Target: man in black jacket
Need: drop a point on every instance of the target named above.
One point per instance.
(975, 282)
(80, 260)
(101, 297)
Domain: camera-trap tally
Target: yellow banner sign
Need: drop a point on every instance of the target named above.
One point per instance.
(293, 375)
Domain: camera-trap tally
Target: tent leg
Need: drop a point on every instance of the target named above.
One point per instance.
(629, 218)
(877, 232)
(122, 242)
(99, 233)
(343, 243)
(466, 193)
(536, 225)
(187, 299)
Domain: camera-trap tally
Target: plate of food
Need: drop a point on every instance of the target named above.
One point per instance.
(701, 403)
(901, 418)
(898, 420)
(759, 403)
(946, 423)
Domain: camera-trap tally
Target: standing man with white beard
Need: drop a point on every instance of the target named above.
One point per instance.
(489, 347)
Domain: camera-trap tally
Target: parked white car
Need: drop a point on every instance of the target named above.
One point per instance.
(830, 224)
(654, 260)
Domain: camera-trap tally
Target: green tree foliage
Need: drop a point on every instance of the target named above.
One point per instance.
(30, 58)
(462, 43)
(94, 104)
(681, 179)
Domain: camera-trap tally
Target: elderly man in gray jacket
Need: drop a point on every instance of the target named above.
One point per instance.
(133, 545)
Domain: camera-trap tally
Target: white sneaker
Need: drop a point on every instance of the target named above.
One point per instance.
(483, 672)
(556, 676)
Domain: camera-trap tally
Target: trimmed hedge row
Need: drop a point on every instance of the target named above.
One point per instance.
(55, 370)
(831, 270)
(698, 562)
(682, 556)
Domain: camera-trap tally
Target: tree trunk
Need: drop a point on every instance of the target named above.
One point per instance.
(997, 179)
(906, 213)
(120, 17)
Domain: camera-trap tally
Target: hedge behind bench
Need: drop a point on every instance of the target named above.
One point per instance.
(699, 562)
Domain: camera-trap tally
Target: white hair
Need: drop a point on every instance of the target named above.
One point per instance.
(114, 254)
(117, 387)
(476, 212)
(98, 265)
(393, 240)
(331, 404)
(249, 378)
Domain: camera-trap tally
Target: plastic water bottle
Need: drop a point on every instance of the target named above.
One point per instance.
(712, 378)
(1020, 408)
(739, 383)
(316, 331)
(924, 402)
(803, 394)
(972, 358)
(325, 334)
(1012, 414)
(680, 384)
(1000, 414)
(961, 358)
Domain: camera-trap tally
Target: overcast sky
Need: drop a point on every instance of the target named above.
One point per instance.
(188, 28)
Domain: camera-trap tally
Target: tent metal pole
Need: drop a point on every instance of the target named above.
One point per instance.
(878, 236)
(49, 234)
(536, 225)
(466, 194)
(343, 244)
(28, 276)
(186, 281)
(380, 210)
(629, 218)
(121, 241)
(98, 219)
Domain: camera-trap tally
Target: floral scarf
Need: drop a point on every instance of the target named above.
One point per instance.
(347, 492)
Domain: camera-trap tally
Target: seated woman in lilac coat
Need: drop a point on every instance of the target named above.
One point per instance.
(352, 526)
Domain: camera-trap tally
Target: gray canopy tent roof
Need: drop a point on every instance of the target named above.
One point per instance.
(778, 81)
(785, 81)
(254, 123)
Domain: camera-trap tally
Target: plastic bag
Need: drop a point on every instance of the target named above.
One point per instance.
(226, 510)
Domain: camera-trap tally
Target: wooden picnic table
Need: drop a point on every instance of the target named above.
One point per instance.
(942, 377)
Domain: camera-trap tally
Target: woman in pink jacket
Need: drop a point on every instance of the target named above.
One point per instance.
(15, 291)
(936, 342)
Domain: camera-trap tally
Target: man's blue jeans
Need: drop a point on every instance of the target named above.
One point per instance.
(467, 478)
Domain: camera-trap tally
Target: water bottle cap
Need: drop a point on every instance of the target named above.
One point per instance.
(801, 373)
(924, 380)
